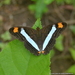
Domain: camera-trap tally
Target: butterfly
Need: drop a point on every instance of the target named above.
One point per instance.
(40, 40)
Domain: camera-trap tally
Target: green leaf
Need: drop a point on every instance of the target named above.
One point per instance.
(1, 70)
(31, 7)
(71, 70)
(15, 59)
(6, 36)
(37, 24)
(72, 52)
(59, 43)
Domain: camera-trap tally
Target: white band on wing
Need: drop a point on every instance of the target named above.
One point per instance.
(49, 36)
(27, 37)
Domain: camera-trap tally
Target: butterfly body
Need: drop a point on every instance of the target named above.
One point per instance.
(40, 40)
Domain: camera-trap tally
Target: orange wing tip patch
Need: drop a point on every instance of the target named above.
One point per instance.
(60, 25)
(43, 52)
(15, 30)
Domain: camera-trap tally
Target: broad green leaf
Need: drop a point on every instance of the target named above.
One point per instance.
(15, 59)
(59, 43)
(71, 70)
(72, 52)
(1, 70)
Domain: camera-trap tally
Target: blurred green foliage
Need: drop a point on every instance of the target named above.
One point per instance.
(72, 28)
(2, 45)
(6, 2)
(65, 1)
(71, 70)
(72, 51)
(6, 36)
(59, 43)
(39, 7)
(37, 24)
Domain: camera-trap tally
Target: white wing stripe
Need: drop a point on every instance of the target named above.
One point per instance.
(49, 36)
(32, 42)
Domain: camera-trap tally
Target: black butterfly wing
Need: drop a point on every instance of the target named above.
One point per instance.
(38, 36)
(45, 31)
(16, 31)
